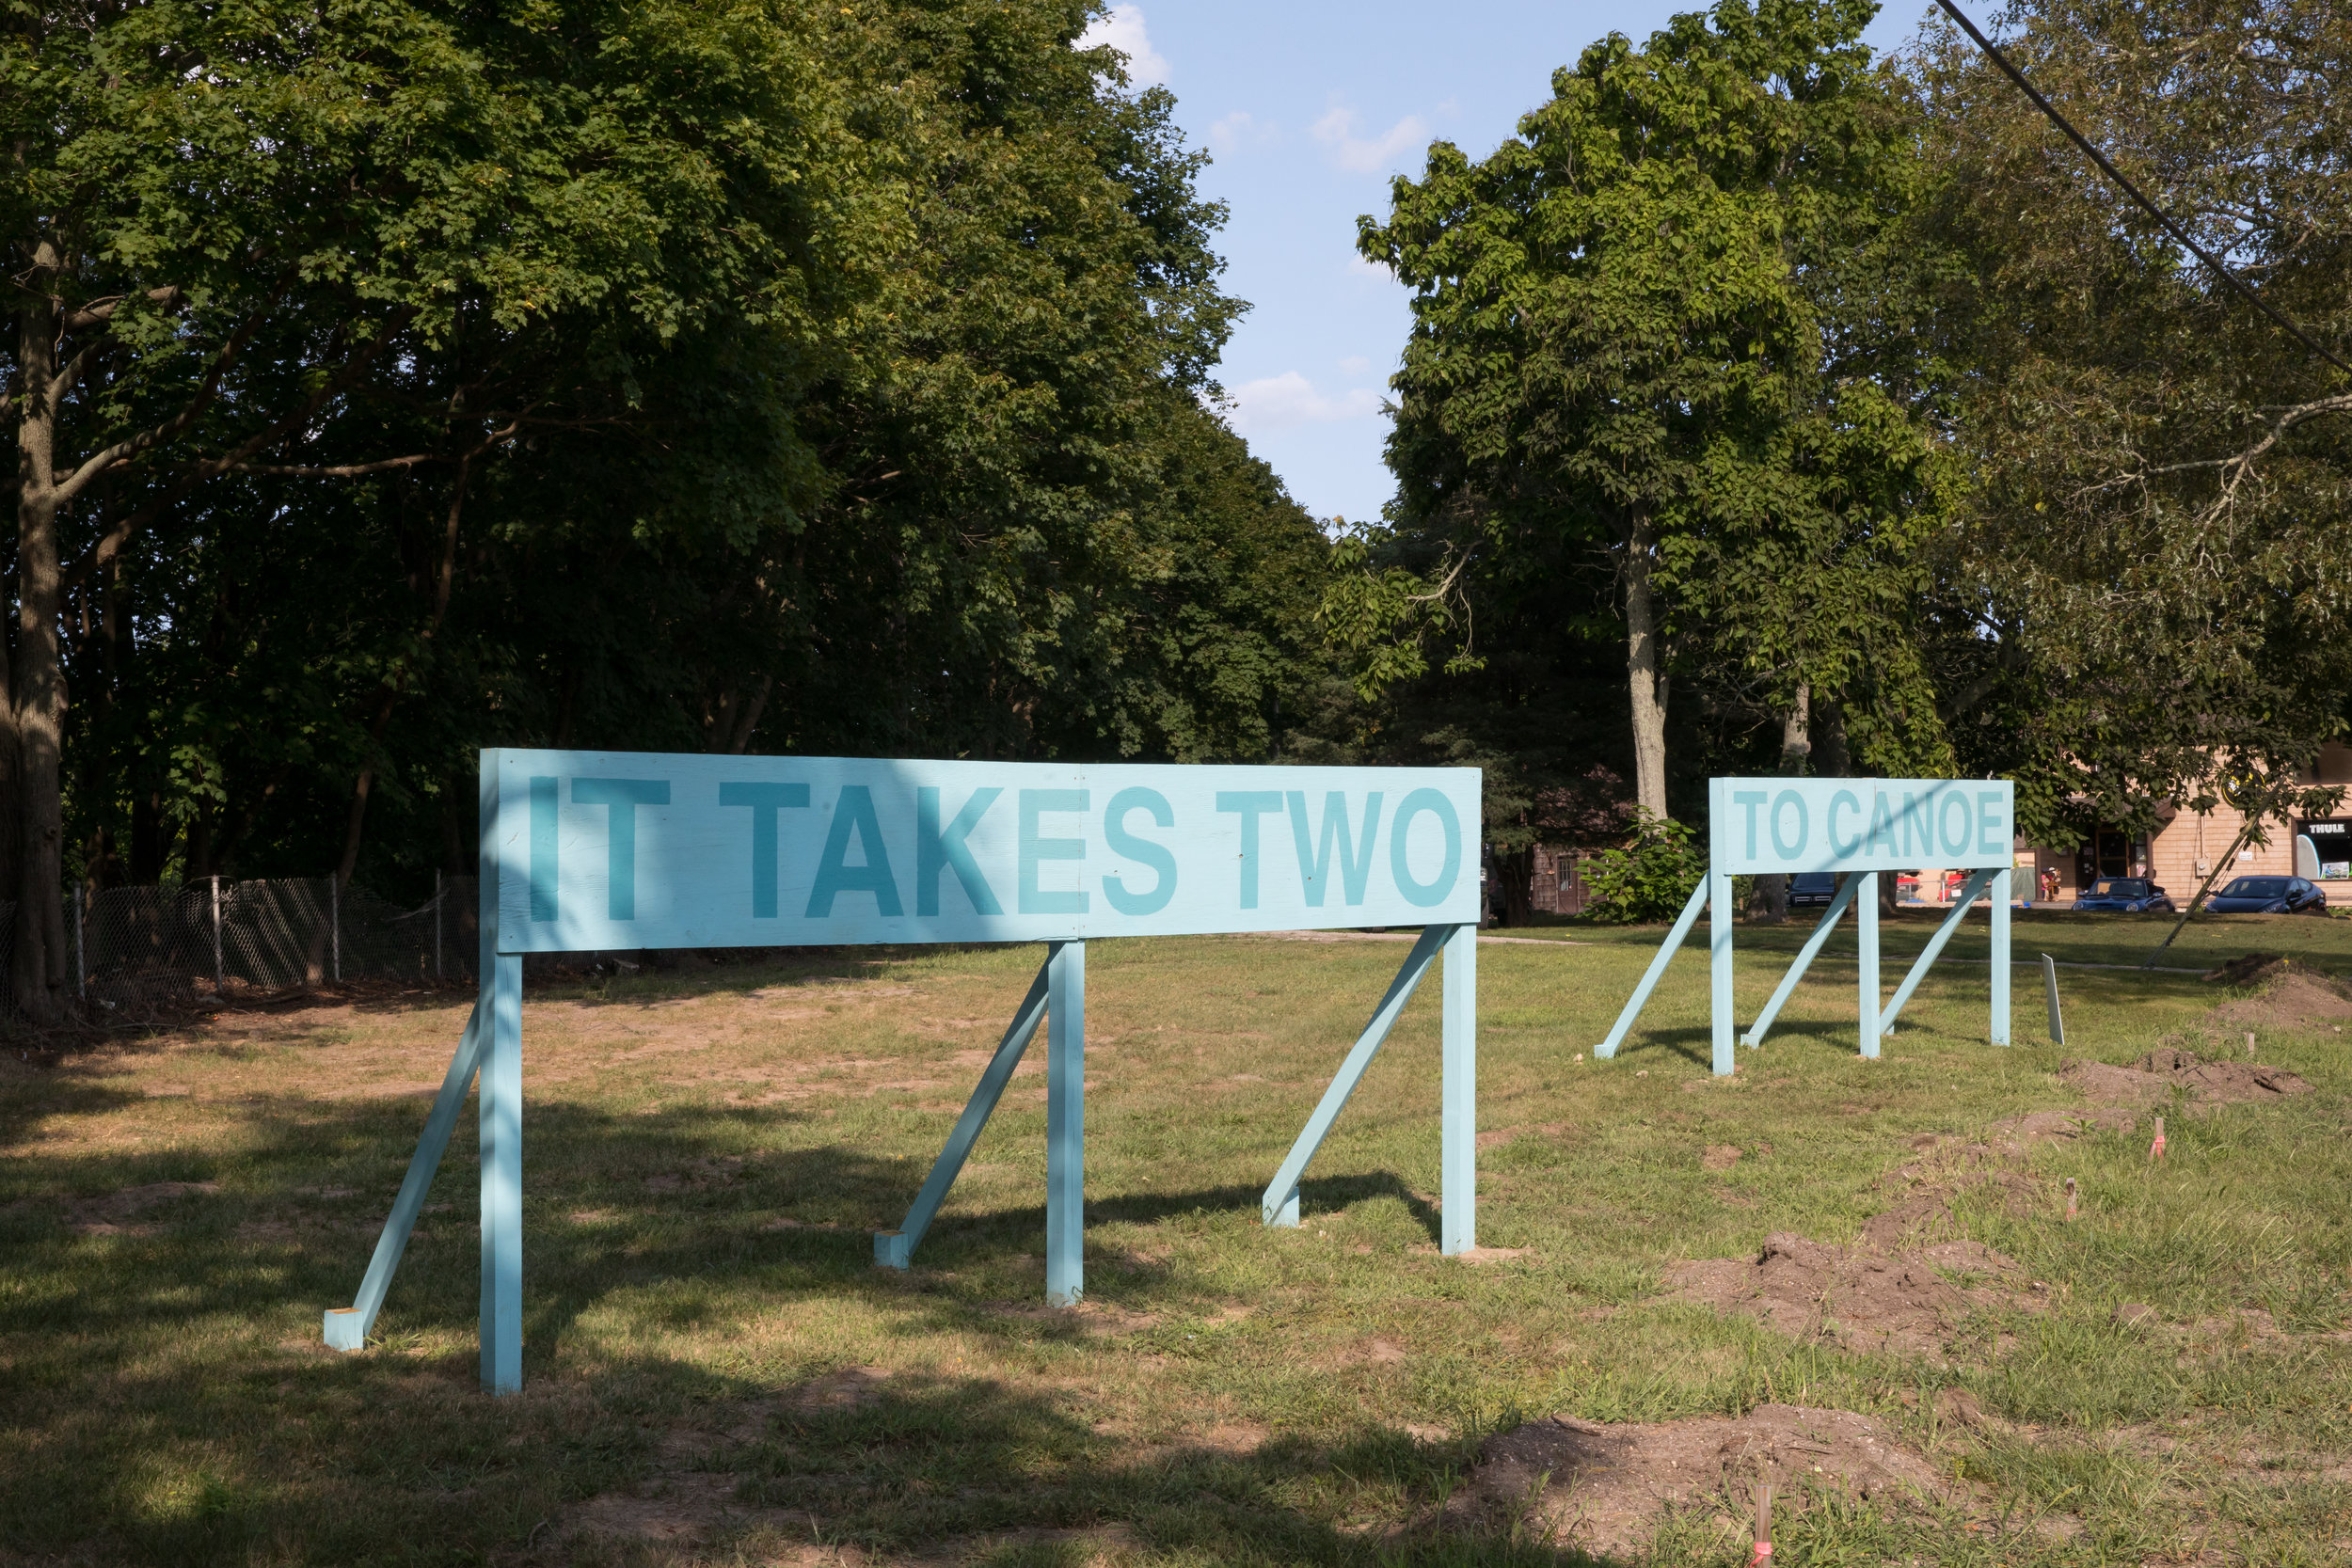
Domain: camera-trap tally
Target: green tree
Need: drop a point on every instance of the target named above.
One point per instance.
(1626, 343)
(265, 241)
(2146, 595)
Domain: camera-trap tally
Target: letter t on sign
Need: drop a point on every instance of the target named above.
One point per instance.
(623, 797)
(764, 799)
(1252, 804)
(1751, 798)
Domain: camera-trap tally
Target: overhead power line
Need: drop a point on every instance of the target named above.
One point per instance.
(2133, 191)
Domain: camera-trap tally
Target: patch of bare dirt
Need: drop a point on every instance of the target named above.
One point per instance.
(1604, 1487)
(2295, 998)
(2151, 1079)
(1718, 1157)
(1864, 1297)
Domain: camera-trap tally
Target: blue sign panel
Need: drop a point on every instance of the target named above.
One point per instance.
(627, 850)
(1761, 826)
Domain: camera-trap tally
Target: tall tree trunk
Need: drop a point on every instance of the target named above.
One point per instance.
(37, 966)
(1516, 867)
(1770, 905)
(1643, 671)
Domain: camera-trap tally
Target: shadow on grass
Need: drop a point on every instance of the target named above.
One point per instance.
(169, 1399)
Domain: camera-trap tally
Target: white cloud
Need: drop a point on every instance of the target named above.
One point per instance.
(1121, 27)
(1367, 155)
(1354, 364)
(1240, 129)
(1290, 400)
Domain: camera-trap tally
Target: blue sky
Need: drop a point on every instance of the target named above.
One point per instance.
(1307, 108)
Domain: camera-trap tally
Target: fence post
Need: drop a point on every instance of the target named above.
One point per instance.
(436, 927)
(335, 923)
(217, 975)
(81, 969)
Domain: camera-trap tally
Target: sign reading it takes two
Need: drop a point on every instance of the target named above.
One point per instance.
(629, 849)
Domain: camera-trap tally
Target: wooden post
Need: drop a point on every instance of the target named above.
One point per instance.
(335, 924)
(436, 927)
(2003, 880)
(80, 965)
(1718, 972)
(217, 973)
(1865, 909)
(1065, 1123)
(1457, 1190)
(501, 1100)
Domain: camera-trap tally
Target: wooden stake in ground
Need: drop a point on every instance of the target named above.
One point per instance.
(2155, 1151)
(1763, 1553)
(2249, 1045)
(2070, 1200)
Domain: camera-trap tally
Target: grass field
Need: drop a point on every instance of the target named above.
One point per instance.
(714, 1369)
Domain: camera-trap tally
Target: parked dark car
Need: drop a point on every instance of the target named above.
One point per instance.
(2268, 895)
(2124, 896)
(1812, 889)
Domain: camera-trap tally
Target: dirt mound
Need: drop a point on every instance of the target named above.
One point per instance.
(2153, 1077)
(2295, 998)
(1863, 1297)
(1603, 1488)
(2105, 1084)
(2246, 971)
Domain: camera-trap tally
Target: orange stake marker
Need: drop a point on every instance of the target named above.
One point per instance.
(2155, 1151)
(2070, 1200)
(1763, 1554)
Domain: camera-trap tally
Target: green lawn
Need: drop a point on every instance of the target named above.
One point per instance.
(714, 1371)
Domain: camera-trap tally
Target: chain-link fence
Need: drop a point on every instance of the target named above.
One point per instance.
(140, 950)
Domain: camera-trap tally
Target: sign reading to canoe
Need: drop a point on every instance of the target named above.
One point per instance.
(1761, 826)
(620, 849)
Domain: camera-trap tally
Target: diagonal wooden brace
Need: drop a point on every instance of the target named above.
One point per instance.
(1281, 1204)
(1805, 956)
(1657, 970)
(895, 1248)
(1969, 892)
(347, 1327)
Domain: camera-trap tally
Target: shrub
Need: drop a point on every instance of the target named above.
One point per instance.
(1647, 879)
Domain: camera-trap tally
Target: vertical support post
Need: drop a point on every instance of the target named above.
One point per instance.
(80, 965)
(502, 1101)
(501, 1098)
(1457, 1192)
(1865, 909)
(2001, 881)
(436, 926)
(335, 924)
(1065, 1123)
(217, 973)
(2049, 986)
(1719, 968)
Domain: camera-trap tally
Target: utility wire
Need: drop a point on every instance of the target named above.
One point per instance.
(2133, 191)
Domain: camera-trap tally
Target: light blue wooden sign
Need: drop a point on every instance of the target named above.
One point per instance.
(620, 850)
(583, 850)
(1865, 829)
(1762, 826)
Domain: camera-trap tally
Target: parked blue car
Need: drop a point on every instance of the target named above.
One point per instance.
(1812, 889)
(2124, 896)
(2269, 896)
